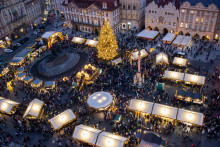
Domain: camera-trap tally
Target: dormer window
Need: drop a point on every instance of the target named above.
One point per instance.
(115, 3)
(104, 5)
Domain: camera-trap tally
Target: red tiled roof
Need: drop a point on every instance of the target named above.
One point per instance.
(86, 3)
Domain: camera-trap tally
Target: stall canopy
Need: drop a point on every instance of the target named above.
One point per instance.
(164, 111)
(200, 80)
(169, 38)
(135, 54)
(92, 43)
(62, 119)
(148, 34)
(186, 40)
(106, 139)
(86, 134)
(173, 75)
(37, 83)
(18, 58)
(141, 106)
(179, 61)
(34, 109)
(51, 37)
(100, 100)
(190, 117)
(20, 70)
(21, 76)
(162, 57)
(178, 40)
(47, 35)
(77, 40)
(6, 105)
(116, 61)
(28, 79)
(49, 84)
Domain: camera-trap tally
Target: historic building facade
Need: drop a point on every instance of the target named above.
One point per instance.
(198, 19)
(132, 14)
(162, 16)
(217, 28)
(89, 15)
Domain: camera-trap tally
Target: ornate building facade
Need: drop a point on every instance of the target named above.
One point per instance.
(199, 19)
(132, 14)
(89, 15)
(162, 16)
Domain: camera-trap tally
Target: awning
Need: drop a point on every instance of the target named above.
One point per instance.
(169, 37)
(34, 108)
(190, 117)
(36, 82)
(21, 69)
(194, 79)
(164, 111)
(49, 84)
(91, 42)
(148, 34)
(186, 40)
(21, 75)
(162, 57)
(62, 119)
(135, 54)
(106, 139)
(179, 61)
(86, 134)
(6, 105)
(48, 34)
(100, 100)
(28, 79)
(173, 75)
(178, 40)
(77, 40)
(141, 106)
(116, 61)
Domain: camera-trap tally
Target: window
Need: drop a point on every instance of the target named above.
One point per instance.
(129, 7)
(213, 13)
(166, 13)
(174, 24)
(198, 12)
(197, 19)
(123, 26)
(192, 12)
(186, 25)
(183, 11)
(104, 5)
(115, 3)
(152, 21)
(190, 26)
(210, 29)
(187, 17)
(200, 28)
(205, 28)
(181, 24)
(191, 18)
(149, 11)
(201, 19)
(196, 27)
(169, 23)
(134, 7)
(123, 7)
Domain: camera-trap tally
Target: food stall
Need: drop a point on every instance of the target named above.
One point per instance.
(37, 83)
(8, 106)
(169, 38)
(28, 79)
(19, 58)
(100, 100)
(148, 34)
(194, 79)
(86, 134)
(20, 70)
(49, 84)
(116, 61)
(162, 58)
(62, 119)
(173, 75)
(91, 43)
(179, 61)
(106, 139)
(78, 40)
(21, 76)
(178, 40)
(4, 71)
(34, 109)
(164, 111)
(134, 55)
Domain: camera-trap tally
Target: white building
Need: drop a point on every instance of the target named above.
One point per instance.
(162, 16)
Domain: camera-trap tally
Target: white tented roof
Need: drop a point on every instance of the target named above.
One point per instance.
(62, 119)
(178, 39)
(116, 61)
(165, 111)
(194, 79)
(48, 34)
(100, 100)
(34, 108)
(86, 134)
(179, 61)
(162, 57)
(169, 37)
(77, 39)
(186, 40)
(190, 117)
(135, 54)
(173, 75)
(6, 105)
(148, 34)
(91, 42)
(142, 106)
(106, 139)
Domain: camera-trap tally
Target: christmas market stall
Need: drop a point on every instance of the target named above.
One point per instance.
(116, 61)
(189, 96)
(8, 106)
(19, 58)
(106, 139)
(62, 119)
(178, 40)
(186, 40)
(190, 117)
(169, 38)
(179, 61)
(194, 79)
(21, 76)
(20, 70)
(134, 55)
(28, 79)
(52, 37)
(34, 109)
(164, 111)
(86, 134)
(4, 71)
(148, 34)
(91, 43)
(162, 58)
(49, 84)
(100, 100)
(173, 75)
(78, 40)
(36, 83)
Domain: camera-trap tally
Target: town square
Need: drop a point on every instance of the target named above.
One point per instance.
(110, 73)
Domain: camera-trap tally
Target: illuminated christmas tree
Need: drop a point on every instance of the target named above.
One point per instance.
(107, 44)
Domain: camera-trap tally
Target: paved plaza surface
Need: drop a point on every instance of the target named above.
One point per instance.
(115, 79)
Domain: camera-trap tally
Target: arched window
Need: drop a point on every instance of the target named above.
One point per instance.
(134, 7)
(129, 7)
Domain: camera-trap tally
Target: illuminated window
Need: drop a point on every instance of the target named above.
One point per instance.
(201, 19)
(183, 11)
(181, 25)
(197, 19)
(186, 25)
(192, 12)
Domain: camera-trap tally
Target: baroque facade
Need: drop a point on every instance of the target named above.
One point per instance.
(162, 16)
(132, 14)
(89, 15)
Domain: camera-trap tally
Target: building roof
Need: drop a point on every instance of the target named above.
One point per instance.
(206, 3)
(87, 3)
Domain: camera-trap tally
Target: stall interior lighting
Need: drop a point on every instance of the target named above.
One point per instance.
(190, 116)
(85, 134)
(62, 118)
(36, 107)
(180, 60)
(4, 106)
(109, 142)
(140, 105)
(164, 111)
(194, 78)
(174, 74)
